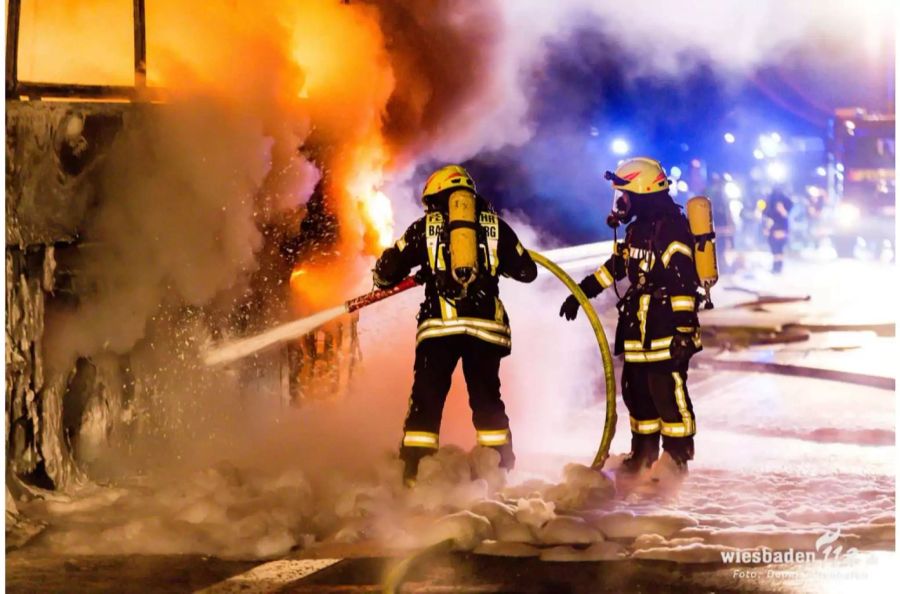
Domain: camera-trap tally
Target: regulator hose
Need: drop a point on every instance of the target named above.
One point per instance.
(609, 429)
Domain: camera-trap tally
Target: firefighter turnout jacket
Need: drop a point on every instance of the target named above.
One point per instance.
(778, 212)
(447, 310)
(657, 256)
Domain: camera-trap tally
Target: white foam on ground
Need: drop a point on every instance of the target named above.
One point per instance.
(744, 491)
(246, 514)
(755, 481)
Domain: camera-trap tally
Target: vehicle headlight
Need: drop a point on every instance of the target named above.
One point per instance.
(847, 214)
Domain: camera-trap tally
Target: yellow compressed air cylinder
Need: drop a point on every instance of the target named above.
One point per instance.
(700, 218)
(463, 239)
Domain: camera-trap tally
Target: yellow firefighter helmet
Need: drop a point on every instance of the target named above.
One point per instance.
(640, 175)
(448, 176)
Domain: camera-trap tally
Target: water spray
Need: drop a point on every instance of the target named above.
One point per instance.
(239, 349)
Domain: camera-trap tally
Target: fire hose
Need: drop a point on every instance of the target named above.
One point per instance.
(609, 427)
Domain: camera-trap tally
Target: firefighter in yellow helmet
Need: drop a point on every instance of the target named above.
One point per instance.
(658, 331)
(462, 248)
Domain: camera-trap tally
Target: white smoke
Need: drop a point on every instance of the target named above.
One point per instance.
(852, 44)
(176, 223)
(736, 35)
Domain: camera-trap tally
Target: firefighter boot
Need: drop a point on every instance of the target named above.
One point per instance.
(507, 457)
(644, 452)
(667, 474)
(680, 449)
(411, 458)
(499, 440)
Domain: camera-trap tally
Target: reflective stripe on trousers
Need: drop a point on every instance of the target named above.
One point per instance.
(420, 439)
(645, 427)
(492, 437)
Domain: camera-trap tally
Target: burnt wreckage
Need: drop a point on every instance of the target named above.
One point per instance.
(59, 138)
(321, 363)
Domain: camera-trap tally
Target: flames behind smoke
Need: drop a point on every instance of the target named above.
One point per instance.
(251, 94)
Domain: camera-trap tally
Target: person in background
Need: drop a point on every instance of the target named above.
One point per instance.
(722, 219)
(777, 226)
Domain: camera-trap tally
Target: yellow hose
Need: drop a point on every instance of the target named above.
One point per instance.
(397, 574)
(609, 429)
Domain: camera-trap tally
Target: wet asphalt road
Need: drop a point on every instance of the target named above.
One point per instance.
(444, 573)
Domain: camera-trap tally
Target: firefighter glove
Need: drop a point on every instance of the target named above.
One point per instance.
(570, 307)
(682, 347)
(379, 281)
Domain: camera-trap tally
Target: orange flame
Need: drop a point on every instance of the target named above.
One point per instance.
(326, 283)
(375, 209)
(380, 216)
(291, 66)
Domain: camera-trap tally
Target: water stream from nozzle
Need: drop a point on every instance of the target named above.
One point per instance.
(237, 349)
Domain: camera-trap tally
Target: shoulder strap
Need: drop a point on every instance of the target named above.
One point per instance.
(434, 223)
(491, 224)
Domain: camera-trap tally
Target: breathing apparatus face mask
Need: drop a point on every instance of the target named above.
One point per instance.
(621, 212)
(621, 203)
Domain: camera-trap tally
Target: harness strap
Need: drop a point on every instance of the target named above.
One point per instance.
(491, 224)
(462, 225)
(434, 222)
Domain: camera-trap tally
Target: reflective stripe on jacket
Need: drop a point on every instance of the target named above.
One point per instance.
(657, 256)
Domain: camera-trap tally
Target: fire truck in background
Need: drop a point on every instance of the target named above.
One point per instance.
(862, 181)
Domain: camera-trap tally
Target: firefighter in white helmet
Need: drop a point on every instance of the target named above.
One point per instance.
(462, 248)
(658, 331)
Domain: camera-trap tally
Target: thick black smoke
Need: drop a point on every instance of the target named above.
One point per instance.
(441, 56)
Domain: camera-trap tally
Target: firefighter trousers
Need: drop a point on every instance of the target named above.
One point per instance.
(778, 242)
(658, 403)
(436, 358)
